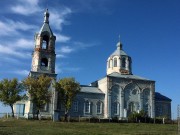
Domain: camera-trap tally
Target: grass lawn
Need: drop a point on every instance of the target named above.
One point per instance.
(30, 127)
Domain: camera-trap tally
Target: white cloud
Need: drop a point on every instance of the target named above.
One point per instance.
(9, 60)
(62, 38)
(10, 51)
(65, 49)
(21, 72)
(80, 45)
(57, 19)
(60, 56)
(26, 8)
(5, 29)
(25, 44)
(63, 69)
(10, 27)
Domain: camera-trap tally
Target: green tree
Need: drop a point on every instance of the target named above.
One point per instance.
(141, 116)
(67, 89)
(10, 92)
(38, 91)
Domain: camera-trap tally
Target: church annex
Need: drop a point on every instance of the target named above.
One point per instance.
(117, 94)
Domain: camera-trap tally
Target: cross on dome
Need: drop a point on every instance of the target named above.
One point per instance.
(119, 45)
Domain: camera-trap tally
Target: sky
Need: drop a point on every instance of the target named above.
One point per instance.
(87, 32)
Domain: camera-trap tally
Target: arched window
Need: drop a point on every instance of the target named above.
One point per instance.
(131, 107)
(87, 107)
(45, 42)
(123, 62)
(44, 62)
(146, 94)
(115, 89)
(146, 108)
(115, 62)
(75, 106)
(116, 108)
(99, 107)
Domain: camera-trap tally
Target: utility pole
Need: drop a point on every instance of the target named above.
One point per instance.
(178, 118)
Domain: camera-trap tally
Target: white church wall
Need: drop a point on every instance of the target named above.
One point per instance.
(103, 86)
(82, 98)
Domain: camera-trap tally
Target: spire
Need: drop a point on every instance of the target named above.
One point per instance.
(46, 16)
(45, 27)
(119, 44)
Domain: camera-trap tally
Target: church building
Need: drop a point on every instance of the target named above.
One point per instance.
(117, 94)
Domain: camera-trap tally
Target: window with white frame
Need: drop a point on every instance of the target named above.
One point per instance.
(116, 108)
(99, 107)
(123, 62)
(75, 106)
(87, 107)
(115, 62)
(44, 108)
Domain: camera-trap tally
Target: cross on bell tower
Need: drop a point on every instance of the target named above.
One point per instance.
(43, 56)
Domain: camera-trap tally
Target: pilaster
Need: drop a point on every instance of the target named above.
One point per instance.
(122, 104)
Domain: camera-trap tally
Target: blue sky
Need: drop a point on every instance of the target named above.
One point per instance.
(87, 32)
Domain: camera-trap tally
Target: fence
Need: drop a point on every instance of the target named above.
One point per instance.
(25, 115)
(84, 119)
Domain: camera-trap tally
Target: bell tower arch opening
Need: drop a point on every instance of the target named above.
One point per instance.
(45, 42)
(44, 62)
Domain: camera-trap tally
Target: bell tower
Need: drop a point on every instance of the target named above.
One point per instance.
(43, 56)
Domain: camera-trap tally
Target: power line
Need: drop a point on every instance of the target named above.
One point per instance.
(178, 119)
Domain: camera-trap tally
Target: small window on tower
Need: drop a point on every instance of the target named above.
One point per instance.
(44, 62)
(115, 62)
(45, 42)
(44, 45)
(123, 62)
